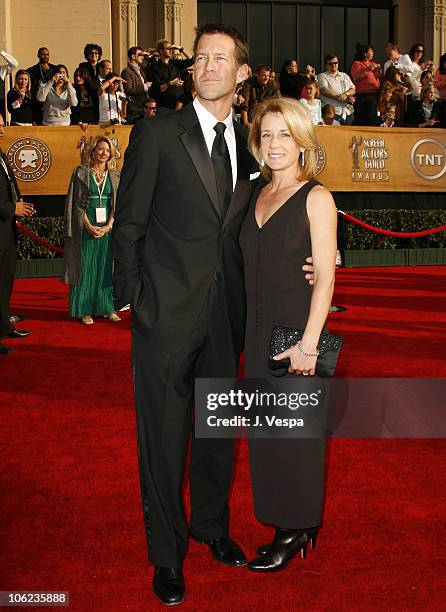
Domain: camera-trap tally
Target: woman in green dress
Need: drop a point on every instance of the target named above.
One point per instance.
(89, 213)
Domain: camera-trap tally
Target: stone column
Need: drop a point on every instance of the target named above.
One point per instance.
(124, 30)
(169, 20)
(175, 20)
(435, 28)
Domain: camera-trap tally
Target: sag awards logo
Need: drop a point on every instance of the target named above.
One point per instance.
(29, 158)
(369, 156)
(428, 159)
(321, 158)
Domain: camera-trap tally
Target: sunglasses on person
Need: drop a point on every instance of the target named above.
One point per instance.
(94, 53)
(332, 63)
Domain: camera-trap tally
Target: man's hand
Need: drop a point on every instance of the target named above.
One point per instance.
(308, 268)
(23, 209)
(176, 82)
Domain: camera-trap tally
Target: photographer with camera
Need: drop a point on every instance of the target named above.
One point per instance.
(58, 96)
(136, 86)
(166, 74)
(112, 100)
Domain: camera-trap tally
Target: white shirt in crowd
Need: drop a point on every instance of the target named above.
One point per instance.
(207, 123)
(315, 111)
(110, 106)
(403, 63)
(11, 64)
(339, 83)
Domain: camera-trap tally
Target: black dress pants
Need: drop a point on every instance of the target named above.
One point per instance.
(164, 386)
(8, 258)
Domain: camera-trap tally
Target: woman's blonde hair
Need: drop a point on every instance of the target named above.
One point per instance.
(96, 140)
(300, 125)
(426, 88)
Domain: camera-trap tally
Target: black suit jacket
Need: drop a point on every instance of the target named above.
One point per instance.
(8, 232)
(169, 239)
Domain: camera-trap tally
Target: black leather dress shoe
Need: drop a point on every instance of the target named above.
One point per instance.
(4, 350)
(226, 551)
(287, 543)
(16, 333)
(168, 585)
(16, 319)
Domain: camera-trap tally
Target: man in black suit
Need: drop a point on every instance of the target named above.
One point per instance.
(183, 194)
(11, 205)
(41, 72)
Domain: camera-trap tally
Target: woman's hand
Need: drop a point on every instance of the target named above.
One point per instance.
(301, 363)
(96, 231)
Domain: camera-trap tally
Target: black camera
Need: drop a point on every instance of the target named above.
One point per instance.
(114, 121)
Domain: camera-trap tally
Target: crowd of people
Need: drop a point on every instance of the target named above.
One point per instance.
(406, 91)
(43, 94)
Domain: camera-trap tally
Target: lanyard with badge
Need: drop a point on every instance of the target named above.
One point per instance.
(101, 211)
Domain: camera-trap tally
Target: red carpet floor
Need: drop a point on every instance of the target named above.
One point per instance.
(70, 515)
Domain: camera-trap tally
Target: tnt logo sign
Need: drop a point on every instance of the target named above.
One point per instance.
(428, 159)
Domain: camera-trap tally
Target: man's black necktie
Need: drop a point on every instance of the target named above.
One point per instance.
(222, 168)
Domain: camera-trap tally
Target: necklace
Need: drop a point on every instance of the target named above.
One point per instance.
(98, 174)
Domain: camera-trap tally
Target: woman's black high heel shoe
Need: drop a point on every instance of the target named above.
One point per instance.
(312, 533)
(287, 543)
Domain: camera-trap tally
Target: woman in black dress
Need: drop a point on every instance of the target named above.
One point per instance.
(19, 99)
(291, 216)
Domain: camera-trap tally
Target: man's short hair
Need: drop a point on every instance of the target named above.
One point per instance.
(261, 67)
(329, 57)
(160, 44)
(102, 63)
(149, 101)
(394, 46)
(241, 48)
(132, 51)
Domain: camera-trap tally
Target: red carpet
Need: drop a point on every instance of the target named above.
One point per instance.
(69, 496)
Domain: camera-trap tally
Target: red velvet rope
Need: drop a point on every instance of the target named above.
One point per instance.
(47, 245)
(372, 228)
(378, 230)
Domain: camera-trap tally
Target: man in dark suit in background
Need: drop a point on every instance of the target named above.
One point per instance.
(183, 194)
(11, 205)
(41, 72)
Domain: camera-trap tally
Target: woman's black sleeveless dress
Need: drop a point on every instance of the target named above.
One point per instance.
(287, 474)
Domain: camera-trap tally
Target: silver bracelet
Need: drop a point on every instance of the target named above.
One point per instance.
(299, 346)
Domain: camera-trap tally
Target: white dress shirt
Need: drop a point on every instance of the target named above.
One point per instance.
(207, 123)
(403, 63)
(339, 83)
